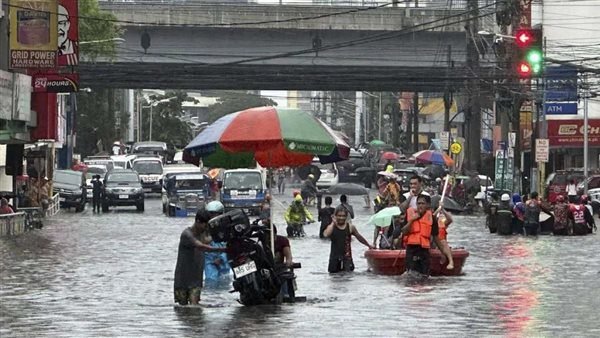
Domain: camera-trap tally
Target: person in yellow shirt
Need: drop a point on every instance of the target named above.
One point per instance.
(295, 216)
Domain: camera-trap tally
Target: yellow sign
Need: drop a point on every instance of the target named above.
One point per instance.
(33, 33)
(455, 148)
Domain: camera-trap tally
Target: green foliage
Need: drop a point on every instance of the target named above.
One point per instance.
(230, 102)
(166, 123)
(94, 25)
(96, 126)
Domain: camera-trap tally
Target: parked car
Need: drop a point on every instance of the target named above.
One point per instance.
(92, 171)
(71, 188)
(123, 161)
(556, 183)
(329, 173)
(346, 169)
(593, 182)
(106, 161)
(122, 187)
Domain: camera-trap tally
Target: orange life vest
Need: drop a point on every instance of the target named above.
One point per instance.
(443, 233)
(420, 230)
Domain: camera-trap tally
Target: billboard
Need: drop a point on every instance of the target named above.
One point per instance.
(33, 38)
(6, 92)
(561, 83)
(569, 133)
(68, 33)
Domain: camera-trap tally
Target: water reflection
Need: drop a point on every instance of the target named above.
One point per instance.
(112, 274)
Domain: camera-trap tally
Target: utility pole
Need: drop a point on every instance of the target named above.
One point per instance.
(447, 92)
(473, 151)
(395, 121)
(415, 122)
(4, 35)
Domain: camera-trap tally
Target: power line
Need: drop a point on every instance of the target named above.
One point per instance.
(369, 39)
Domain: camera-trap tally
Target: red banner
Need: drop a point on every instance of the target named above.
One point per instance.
(45, 106)
(68, 33)
(569, 133)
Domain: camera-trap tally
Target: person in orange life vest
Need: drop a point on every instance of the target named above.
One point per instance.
(581, 218)
(420, 229)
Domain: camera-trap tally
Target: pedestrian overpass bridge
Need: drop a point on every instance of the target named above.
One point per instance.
(250, 46)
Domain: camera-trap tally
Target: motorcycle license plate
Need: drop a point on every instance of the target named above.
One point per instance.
(244, 269)
(124, 197)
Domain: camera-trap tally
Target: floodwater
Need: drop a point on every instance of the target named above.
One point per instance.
(112, 275)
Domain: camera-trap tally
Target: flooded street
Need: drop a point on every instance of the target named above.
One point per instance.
(112, 275)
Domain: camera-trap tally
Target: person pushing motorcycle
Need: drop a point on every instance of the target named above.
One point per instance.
(295, 216)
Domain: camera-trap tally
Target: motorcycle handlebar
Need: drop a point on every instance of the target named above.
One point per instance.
(296, 266)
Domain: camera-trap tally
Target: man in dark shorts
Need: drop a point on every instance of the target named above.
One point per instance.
(283, 251)
(189, 271)
(421, 228)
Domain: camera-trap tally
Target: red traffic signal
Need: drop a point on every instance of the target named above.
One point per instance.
(524, 69)
(524, 37)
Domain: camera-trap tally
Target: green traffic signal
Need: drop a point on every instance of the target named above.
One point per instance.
(535, 58)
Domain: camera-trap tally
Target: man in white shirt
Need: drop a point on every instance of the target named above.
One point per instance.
(572, 191)
(416, 189)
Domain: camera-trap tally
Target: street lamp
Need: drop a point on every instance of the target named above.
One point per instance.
(151, 106)
(380, 116)
(119, 40)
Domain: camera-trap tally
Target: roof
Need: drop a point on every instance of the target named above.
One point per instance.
(190, 176)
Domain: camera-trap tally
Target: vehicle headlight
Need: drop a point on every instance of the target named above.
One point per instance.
(138, 190)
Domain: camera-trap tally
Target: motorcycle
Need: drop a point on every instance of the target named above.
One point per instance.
(256, 276)
(296, 229)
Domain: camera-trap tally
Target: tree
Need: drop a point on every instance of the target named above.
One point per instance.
(95, 25)
(230, 102)
(167, 125)
(97, 114)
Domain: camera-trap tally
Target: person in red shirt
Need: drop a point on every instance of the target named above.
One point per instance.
(581, 218)
(4, 207)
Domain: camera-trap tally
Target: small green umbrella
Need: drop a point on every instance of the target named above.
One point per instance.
(377, 143)
(384, 217)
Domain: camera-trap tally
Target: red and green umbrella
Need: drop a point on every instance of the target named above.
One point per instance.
(273, 137)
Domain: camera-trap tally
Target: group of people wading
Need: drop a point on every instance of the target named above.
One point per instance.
(517, 216)
(417, 229)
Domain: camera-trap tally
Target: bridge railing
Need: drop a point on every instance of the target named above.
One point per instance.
(12, 224)
(436, 4)
(54, 206)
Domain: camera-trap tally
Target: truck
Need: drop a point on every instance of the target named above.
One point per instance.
(244, 189)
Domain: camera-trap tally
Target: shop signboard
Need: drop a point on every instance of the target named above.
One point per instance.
(504, 170)
(569, 133)
(33, 38)
(6, 88)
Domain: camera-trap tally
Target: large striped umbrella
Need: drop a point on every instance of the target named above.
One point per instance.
(433, 157)
(273, 137)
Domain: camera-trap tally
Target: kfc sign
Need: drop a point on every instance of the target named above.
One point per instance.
(569, 133)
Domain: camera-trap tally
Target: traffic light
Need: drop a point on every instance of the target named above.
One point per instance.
(529, 52)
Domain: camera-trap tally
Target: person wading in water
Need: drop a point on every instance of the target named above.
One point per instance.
(189, 271)
(340, 231)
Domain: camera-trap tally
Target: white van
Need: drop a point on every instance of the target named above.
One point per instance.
(150, 170)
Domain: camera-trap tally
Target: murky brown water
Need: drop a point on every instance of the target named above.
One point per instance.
(112, 275)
